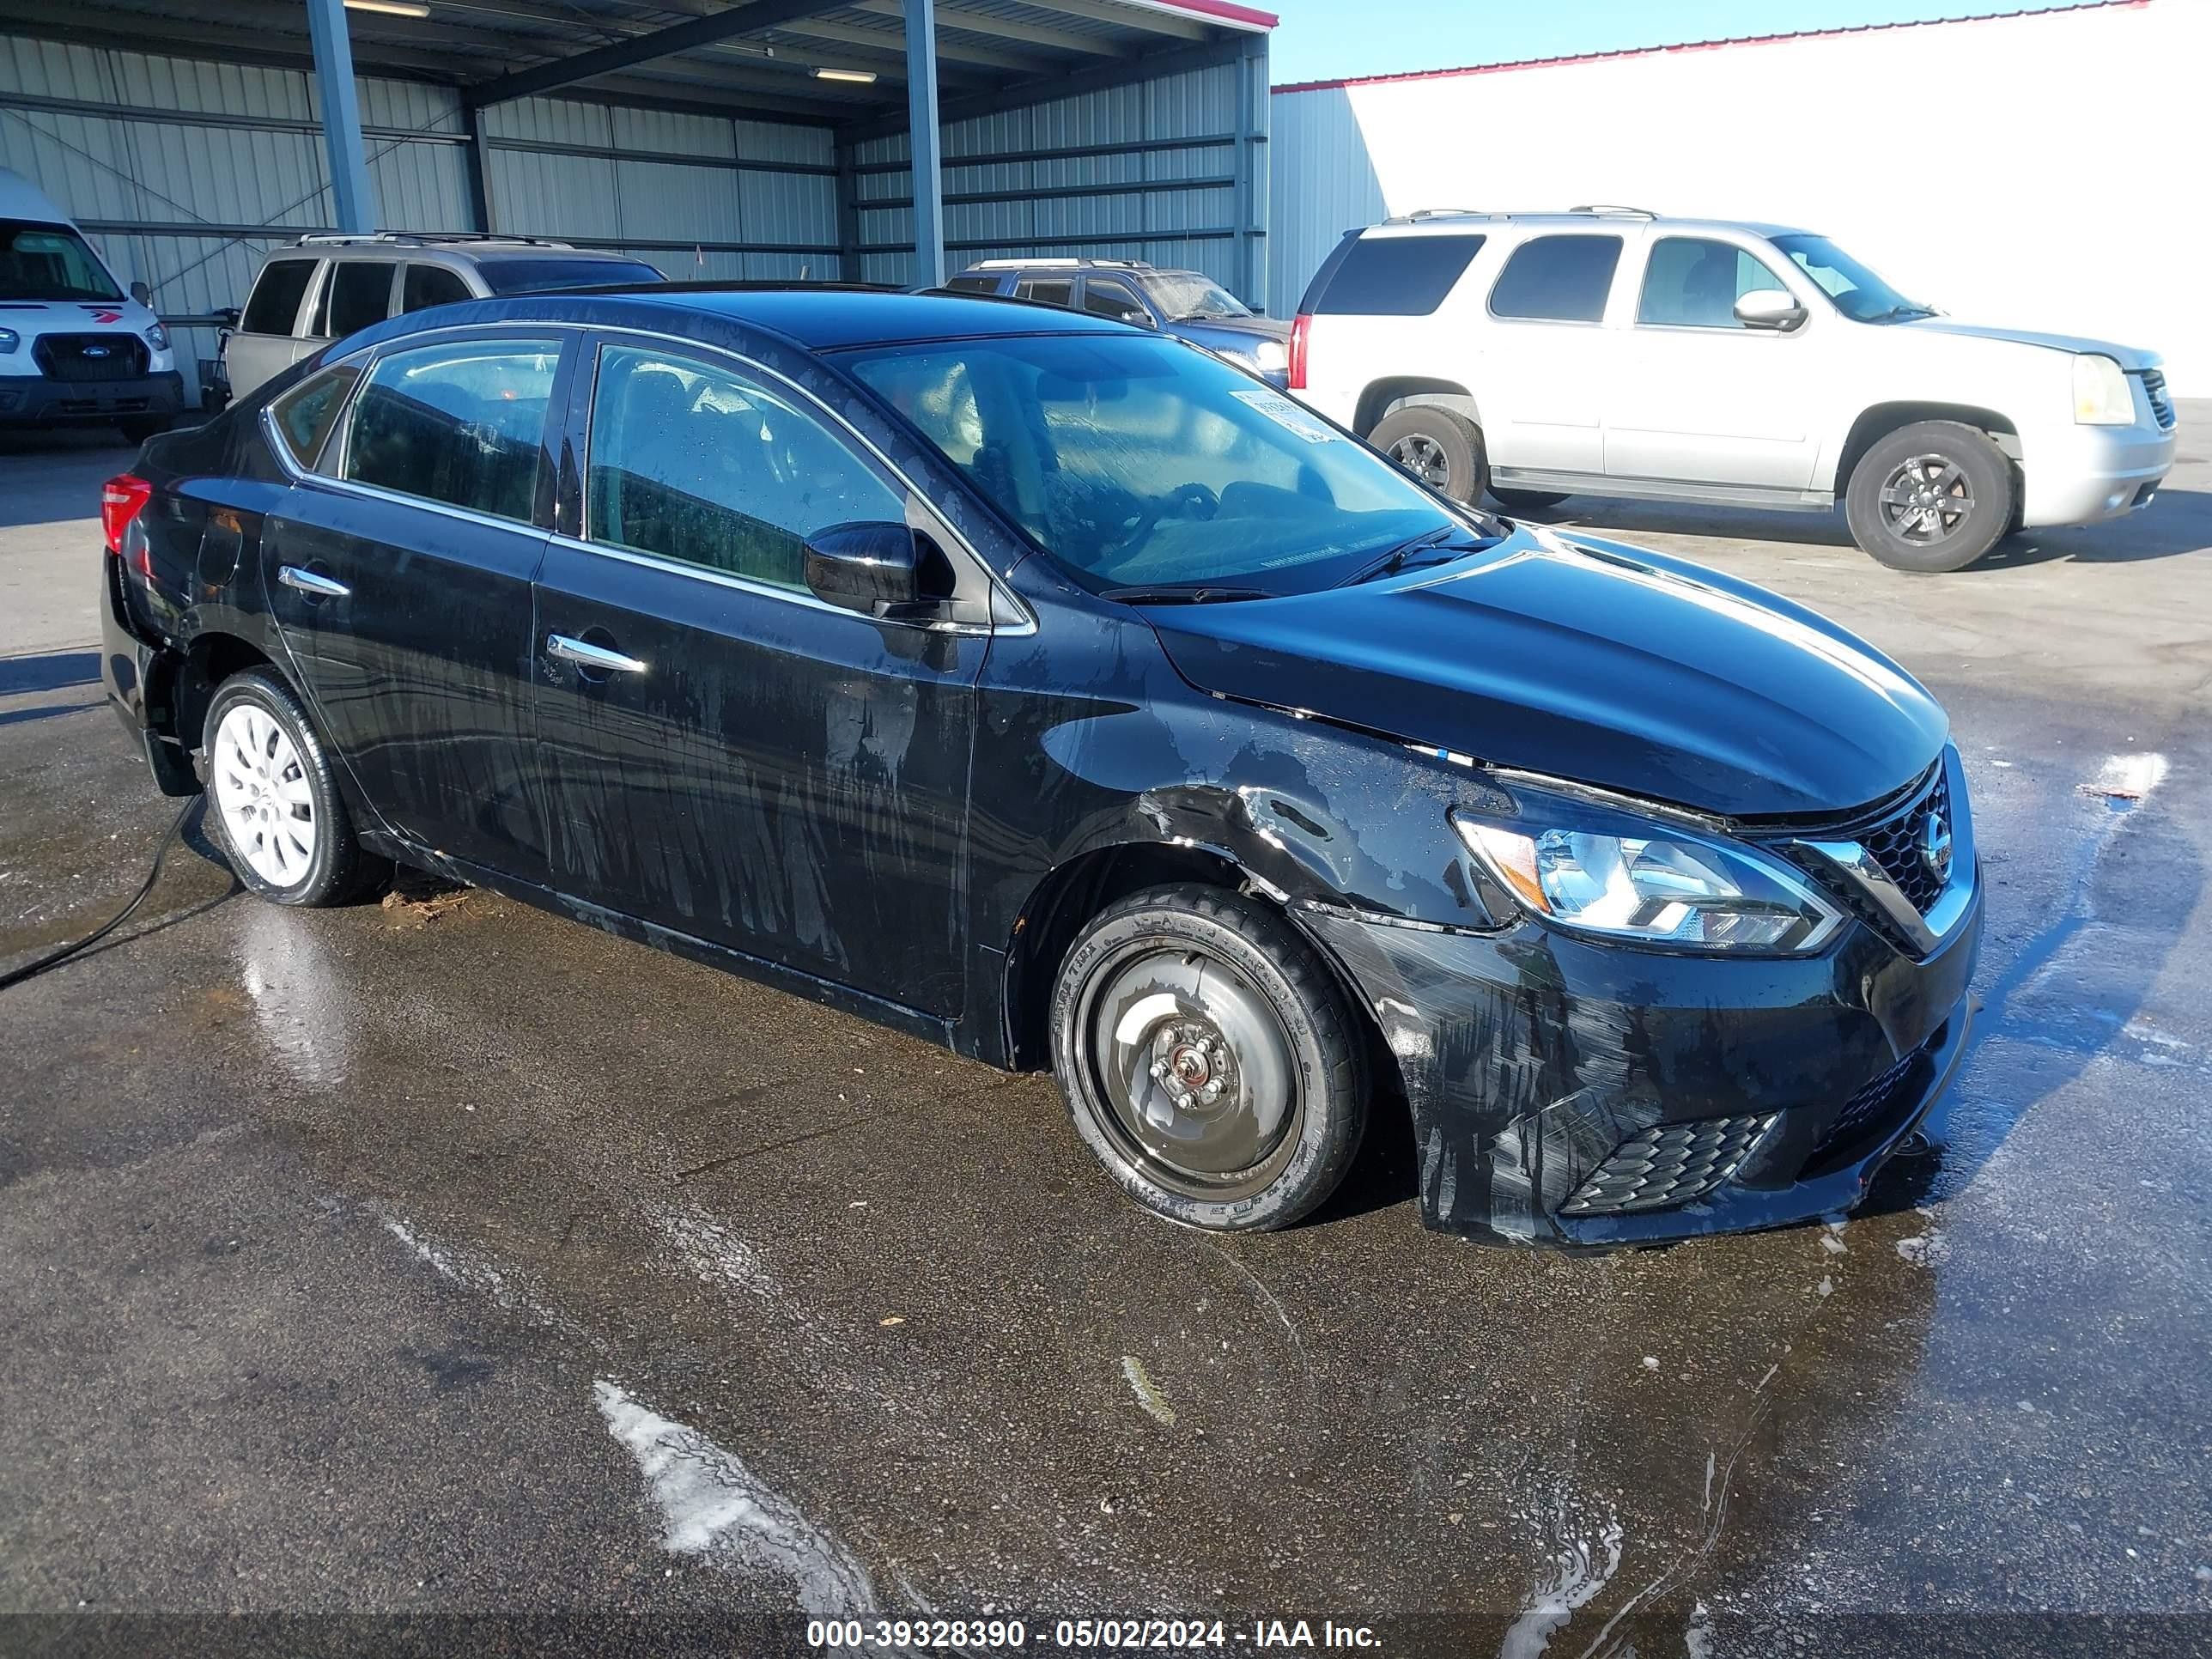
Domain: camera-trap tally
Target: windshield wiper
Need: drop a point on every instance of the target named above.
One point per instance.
(1184, 593)
(1401, 557)
(1902, 313)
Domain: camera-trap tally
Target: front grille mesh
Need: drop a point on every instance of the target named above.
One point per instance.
(1667, 1164)
(2161, 405)
(1894, 844)
(91, 356)
(1873, 1107)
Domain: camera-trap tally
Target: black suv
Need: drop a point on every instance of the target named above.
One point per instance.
(1056, 691)
(1185, 303)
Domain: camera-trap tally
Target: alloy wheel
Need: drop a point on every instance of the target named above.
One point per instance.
(1423, 458)
(1196, 1069)
(262, 791)
(1927, 500)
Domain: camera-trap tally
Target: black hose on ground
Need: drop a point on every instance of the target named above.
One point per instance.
(54, 958)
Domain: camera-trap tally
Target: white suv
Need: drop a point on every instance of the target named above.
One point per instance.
(1606, 351)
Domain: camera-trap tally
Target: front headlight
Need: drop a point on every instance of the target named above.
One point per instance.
(1270, 356)
(9, 340)
(1607, 874)
(158, 338)
(2102, 396)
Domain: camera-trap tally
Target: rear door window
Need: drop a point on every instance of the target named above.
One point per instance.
(432, 285)
(461, 422)
(1105, 297)
(973, 285)
(274, 306)
(1557, 279)
(1049, 290)
(1392, 276)
(358, 295)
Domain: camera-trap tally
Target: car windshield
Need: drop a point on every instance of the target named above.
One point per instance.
(1139, 462)
(49, 262)
(536, 275)
(1184, 294)
(1857, 291)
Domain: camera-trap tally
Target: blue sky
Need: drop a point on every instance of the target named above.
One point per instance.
(1326, 40)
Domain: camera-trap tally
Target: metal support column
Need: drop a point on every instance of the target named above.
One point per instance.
(1251, 76)
(479, 177)
(353, 199)
(924, 143)
(849, 266)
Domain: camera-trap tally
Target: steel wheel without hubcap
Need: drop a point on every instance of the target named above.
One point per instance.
(262, 791)
(1197, 1070)
(1927, 500)
(1423, 456)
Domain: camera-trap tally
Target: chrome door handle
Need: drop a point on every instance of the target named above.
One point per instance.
(308, 581)
(587, 655)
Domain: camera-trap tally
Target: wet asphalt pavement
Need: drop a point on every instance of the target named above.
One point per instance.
(447, 1258)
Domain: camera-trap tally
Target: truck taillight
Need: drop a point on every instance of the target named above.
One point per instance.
(122, 502)
(1301, 326)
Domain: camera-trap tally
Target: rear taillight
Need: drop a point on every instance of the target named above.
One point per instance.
(122, 499)
(1301, 326)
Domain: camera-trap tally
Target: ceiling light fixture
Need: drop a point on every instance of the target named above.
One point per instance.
(858, 77)
(389, 7)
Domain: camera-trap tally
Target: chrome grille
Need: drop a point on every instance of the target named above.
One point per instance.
(2162, 402)
(1894, 844)
(1667, 1164)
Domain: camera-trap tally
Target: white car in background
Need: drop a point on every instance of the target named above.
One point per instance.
(75, 345)
(1607, 352)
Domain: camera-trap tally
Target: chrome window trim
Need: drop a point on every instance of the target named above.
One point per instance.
(1926, 933)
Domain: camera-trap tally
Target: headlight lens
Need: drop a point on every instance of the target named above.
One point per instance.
(158, 338)
(1270, 354)
(9, 339)
(1653, 883)
(2102, 396)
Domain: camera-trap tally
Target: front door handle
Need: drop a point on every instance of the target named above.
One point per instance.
(587, 655)
(312, 582)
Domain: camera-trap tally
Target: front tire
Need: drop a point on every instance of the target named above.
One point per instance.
(1931, 497)
(138, 428)
(1209, 1059)
(1439, 447)
(276, 809)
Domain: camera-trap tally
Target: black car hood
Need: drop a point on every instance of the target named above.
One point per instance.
(1603, 665)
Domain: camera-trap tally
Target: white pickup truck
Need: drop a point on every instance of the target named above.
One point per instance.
(1607, 352)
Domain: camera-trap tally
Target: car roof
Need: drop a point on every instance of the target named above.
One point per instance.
(823, 317)
(1472, 221)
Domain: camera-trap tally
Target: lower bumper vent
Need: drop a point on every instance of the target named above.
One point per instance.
(1873, 1107)
(1667, 1164)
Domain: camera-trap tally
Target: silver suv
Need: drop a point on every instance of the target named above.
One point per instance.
(324, 288)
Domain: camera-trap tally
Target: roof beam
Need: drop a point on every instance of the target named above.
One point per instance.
(686, 36)
(1021, 95)
(654, 86)
(1133, 17)
(887, 41)
(1000, 28)
(68, 20)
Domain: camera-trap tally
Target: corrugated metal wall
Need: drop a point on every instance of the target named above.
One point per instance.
(184, 173)
(1145, 172)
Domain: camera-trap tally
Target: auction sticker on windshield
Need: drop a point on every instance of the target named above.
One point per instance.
(1286, 414)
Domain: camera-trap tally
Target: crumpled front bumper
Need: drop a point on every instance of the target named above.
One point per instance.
(1570, 1093)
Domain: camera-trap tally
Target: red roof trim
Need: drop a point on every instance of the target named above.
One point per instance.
(1704, 46)
(1221, 11)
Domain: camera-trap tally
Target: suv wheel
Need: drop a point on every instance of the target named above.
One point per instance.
(137, 429)
(277, 814)
(1209, 1059)
(1439, 447)
(1932, 496)
(1524, 500)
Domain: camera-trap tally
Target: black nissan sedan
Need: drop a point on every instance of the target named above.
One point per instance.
(1061, 694)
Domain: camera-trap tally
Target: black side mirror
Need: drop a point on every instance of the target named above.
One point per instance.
(143, 294)
(226, 315)
(872, 568)
(1138, 318)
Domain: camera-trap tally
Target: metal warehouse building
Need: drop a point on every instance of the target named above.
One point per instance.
(769, 139)
(2034, 169)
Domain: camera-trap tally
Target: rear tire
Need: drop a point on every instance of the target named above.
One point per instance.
(139, 428)
(1524, 500)
(1931, 497)
(275, 809)
(1209, 1059)
(1439, 447)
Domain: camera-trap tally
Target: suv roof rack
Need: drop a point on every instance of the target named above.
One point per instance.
(422, 239)
(1060, 264)
(1612, 211)
(1419, 214)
